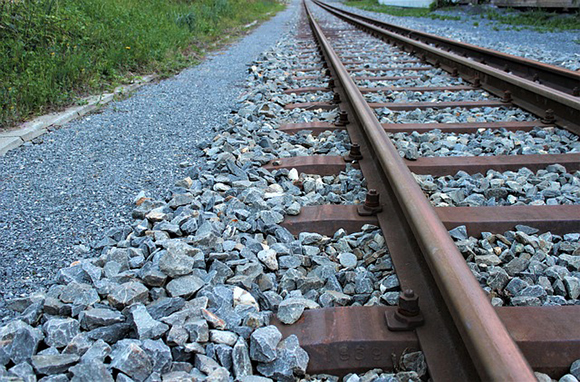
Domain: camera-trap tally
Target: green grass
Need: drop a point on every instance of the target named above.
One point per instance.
(539, 20)
(54, 51)
(374, 6)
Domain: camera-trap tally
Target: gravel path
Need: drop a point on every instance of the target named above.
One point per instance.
(59, 197)
(556, 48)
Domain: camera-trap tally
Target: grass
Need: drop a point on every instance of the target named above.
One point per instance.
(374, 6)
(54, 51)
(539, 20)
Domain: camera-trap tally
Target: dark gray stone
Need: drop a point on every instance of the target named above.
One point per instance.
(59, 332)
(131, 359)
(97, 317)
(159, 353)
(18, 342)
(263, 343)
(290, 310)
(146, 326)
(127, 294)
(97, 352)
(165, 307)
(241, 359)
(198, 330)
(184, 286)
(110, 333)
(291, 360)
(175, 264)
(91, 371)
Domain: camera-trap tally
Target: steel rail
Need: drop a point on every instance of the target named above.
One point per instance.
(538, 99)
(561, 79)
(492, 350)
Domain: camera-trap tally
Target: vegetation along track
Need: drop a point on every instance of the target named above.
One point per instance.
(462, 336)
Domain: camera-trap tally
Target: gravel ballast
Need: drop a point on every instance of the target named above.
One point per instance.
(57, 198)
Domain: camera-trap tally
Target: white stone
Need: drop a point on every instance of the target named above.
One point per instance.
(243, 297)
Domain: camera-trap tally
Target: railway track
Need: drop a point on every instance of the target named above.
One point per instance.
(361, 209)
(461, 334)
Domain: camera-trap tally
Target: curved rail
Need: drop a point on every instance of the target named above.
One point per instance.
(553, 105)
(494, 353)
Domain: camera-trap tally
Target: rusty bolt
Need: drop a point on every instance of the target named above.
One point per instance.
(454, 72)
(437, 64)
(331, 83)
(372, 198)
(477, 82)
(549, 117)
(327, 72)
(336, 98)
(408, 303)
(507, 97)
(342, 119)
(354, 153)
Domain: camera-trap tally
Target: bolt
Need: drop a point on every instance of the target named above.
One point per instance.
(336, 98)
(354, 153)
(342, 119)
(372, 199)
(331, 83)
(506, 68)
(576, 92)
(507, 97)
(437, 64)
(535, 77)
(549, 117)
(477, 82)
(408, 303)
(454, 72)
(327, 72)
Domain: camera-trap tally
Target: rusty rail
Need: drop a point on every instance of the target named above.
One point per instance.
(549, 103)
(492, 350)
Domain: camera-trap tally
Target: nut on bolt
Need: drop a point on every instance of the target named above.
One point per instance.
(354, 154)
(507, 97)
(372, 206)
(408, 315)
(342, 119)
(549, 117)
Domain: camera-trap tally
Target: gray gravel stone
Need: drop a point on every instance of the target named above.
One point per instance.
(53, 364)
(129, 358)
(91, 371)
(146, 326)
(241, 359)
(263, 343)
(94, 318)
(184, 286)
(289, 311)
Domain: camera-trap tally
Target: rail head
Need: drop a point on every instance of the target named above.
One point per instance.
(494, 353)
